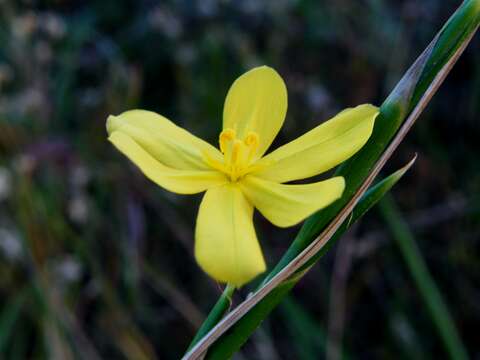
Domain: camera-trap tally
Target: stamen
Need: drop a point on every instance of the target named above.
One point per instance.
(251, 139)
(252, 142)
(238, 154)
(236, 151)
(226, 136)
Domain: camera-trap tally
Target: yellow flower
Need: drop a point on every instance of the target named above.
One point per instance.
(238, 177)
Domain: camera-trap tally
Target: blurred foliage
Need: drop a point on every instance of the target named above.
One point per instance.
(96, 261)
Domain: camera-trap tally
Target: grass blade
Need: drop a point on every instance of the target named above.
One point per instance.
(403, 106)
(368, 200)
(424, 281)
(310, 337)
(218, 311)
(426, 74)
(9, 316)
(277, 287)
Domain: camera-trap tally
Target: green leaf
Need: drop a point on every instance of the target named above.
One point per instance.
(420, 79)
(368, 200)
(399, 111)
(246, 325)
(9, 316)
(310, 338)
(221, 307)
(430, 293)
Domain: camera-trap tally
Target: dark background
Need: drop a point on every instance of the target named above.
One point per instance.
(96, 261)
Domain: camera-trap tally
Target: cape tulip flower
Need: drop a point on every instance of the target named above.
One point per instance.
(237, 177)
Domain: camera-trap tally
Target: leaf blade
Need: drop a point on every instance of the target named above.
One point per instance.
(409, 98)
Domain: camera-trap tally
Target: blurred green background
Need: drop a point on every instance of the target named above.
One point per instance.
(96, 261)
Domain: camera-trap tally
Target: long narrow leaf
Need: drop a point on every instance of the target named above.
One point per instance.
(423, 280)
(409, 98)
(220, 308)
(9, 316)
(424, 76)
(279, 285)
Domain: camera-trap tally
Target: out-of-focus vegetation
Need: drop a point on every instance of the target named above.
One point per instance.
(96, 261)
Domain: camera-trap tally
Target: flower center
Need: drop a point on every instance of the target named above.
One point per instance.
(238, 154)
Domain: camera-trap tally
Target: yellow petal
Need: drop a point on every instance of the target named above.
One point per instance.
(226, 246)
(287, 205)
(321, 148)
(174, 180)
(256, 102)
(166, 142)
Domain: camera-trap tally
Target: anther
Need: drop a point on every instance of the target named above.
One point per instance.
(225, 137)
(251, 141)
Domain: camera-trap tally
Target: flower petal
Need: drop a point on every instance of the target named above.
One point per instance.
(321, 148)
(287, 205)
(256, 101)
(174, 180)
(166, 142)
(226, 246)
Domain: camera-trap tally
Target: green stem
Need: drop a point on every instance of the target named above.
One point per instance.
(219, 309)
(424, 281)
(259, 312)
(434, 63)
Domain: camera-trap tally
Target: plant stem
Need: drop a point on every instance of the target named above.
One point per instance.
(220, 308)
